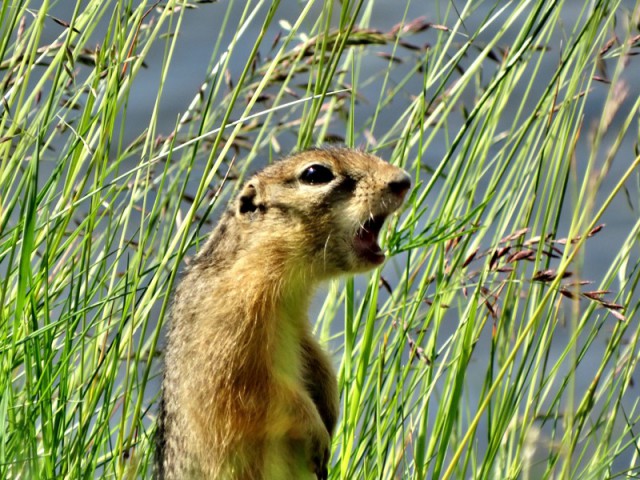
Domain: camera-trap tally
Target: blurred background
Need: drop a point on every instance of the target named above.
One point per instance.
(478, 351)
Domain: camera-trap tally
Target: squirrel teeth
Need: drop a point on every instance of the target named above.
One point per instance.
(366, 240)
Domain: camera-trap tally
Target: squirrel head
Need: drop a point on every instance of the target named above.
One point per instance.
(321, 210)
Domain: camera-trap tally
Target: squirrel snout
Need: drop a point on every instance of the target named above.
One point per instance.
(400, 184)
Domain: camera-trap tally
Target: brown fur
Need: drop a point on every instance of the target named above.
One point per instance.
(248, 393)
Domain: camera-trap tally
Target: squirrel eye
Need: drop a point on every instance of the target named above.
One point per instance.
(316, 174)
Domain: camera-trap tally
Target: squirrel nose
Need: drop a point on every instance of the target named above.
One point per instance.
(400, 184)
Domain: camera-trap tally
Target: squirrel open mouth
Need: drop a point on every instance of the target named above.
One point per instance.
(366, 240)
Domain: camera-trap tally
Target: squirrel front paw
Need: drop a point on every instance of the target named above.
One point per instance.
(318, 453)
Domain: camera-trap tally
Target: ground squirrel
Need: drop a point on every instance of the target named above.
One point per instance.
(248, 393)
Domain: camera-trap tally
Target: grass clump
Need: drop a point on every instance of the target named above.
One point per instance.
(478, 351)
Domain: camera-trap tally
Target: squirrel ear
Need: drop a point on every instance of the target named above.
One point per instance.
(248, 200)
